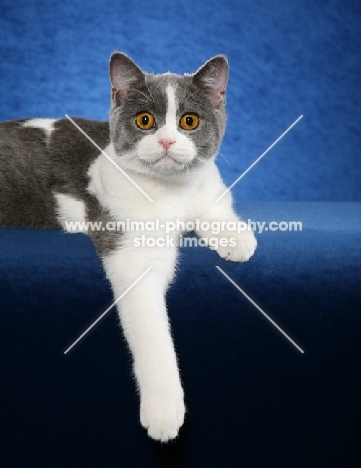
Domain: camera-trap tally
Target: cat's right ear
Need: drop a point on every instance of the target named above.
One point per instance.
(125, 75)
(212, 78)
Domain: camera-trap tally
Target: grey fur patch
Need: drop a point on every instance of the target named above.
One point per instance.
(104, 241)
(31, 171)
(25, 177)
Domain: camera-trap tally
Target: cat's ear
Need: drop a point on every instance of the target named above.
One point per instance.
(125, 75)
(212, 78)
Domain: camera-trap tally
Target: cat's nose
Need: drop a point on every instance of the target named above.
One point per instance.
(166, 142)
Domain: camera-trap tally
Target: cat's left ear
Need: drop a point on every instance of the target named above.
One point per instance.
(212, 77)
(125, 75)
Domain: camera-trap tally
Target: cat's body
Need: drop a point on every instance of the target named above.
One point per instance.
(164, 132)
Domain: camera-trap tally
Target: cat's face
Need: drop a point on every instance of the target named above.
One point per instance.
(162, 125)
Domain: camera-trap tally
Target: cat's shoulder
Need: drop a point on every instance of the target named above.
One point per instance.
(80, 128)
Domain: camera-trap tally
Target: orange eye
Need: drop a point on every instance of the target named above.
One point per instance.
(189, 121)
(144, 120)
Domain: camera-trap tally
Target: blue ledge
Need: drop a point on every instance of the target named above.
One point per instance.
(250, 393)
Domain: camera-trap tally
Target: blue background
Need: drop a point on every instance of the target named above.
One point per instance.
(286, 59)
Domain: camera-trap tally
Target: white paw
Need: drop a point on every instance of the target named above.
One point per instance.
(162, 413)
(244, 246)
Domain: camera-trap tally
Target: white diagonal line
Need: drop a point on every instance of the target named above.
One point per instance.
(110, 159)
(108, 309)
(257, 307)
(259, 158)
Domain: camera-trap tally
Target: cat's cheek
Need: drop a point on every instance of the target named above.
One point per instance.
(148, 149)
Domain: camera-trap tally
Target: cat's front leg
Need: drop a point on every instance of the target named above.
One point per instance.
(231, 237)
(145, 324)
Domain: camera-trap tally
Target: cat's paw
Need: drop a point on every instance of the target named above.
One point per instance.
(240, 247)
(162, 413)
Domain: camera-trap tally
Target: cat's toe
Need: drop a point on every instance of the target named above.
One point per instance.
(244, 248)
(162, 414)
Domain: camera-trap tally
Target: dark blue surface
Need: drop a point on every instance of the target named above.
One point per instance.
(253, 399)
(286, 59)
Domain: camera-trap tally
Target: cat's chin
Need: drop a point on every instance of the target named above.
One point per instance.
(165, 166)
(167, 163)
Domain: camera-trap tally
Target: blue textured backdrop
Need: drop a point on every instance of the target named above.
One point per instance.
(286, 58)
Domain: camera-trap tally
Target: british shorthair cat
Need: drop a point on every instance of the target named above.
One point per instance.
(153, 160)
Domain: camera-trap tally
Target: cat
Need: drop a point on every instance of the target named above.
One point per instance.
(164, 133)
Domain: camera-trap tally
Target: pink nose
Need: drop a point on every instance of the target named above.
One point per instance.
(166, 142)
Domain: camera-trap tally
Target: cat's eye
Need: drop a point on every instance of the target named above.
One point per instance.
(189, 121)
(144, 120)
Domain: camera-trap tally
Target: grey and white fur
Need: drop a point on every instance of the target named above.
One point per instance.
(164, 131)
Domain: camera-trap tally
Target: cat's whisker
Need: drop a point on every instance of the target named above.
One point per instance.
(225, 159)
(143, 94)
(150, 94)
(200, 159)
(187, 172)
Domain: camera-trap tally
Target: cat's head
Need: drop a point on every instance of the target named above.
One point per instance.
(161, 125)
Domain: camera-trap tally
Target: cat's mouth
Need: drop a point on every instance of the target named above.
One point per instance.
(165, 159)
(168, 159)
